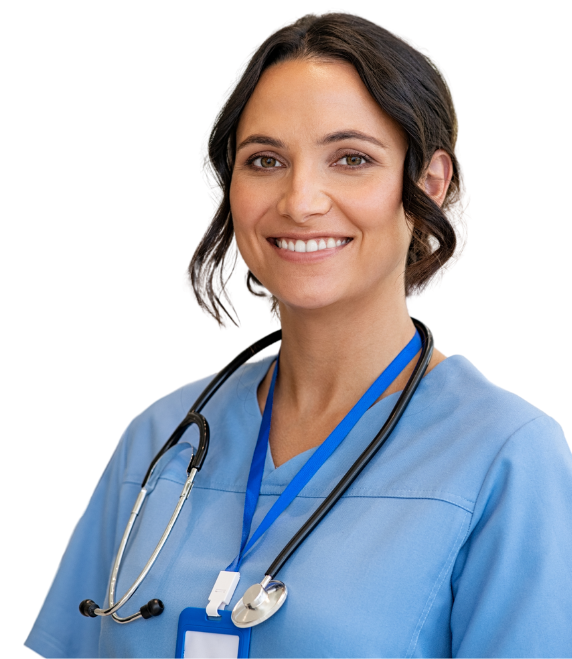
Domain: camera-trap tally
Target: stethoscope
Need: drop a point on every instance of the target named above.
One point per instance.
(261, 600)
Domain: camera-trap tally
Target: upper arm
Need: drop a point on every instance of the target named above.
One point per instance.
(512, 582)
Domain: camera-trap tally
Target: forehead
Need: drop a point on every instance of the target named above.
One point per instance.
(302, 98)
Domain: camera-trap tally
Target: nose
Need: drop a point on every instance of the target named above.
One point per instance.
(303, 197)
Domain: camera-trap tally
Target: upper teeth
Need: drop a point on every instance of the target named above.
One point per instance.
(310, 245)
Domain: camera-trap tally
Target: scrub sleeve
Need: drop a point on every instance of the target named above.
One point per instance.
(512, 579)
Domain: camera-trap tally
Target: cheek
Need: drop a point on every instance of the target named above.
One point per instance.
(246, 208)
(243, 210)
(238, 205)
(377, 208)
(248, 201)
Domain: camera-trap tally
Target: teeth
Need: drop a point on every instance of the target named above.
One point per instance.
(311, 245)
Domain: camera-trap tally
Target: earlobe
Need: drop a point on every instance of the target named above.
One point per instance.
(437, 176)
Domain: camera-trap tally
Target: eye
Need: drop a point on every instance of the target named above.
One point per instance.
(266, 162)
(352, 160)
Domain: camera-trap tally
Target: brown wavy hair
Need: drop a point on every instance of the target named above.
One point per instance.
(405, 84)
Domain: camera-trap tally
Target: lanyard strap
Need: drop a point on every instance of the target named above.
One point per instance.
(316, 460)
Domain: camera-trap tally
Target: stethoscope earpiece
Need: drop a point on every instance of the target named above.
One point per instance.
(153, 608)
(87, 608)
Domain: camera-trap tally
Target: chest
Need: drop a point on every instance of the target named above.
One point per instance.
(372, 579)
(291, 435)
(295, 429)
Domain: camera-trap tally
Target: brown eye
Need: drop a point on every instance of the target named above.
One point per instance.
(353, 160)
(266, 161)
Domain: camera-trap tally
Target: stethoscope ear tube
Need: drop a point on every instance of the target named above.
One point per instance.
(355, 470)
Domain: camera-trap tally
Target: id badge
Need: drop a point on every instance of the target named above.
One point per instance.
(201, 637)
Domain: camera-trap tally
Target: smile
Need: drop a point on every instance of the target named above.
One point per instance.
(312, 245)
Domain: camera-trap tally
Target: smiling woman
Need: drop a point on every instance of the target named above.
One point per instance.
(448, 532)
(387, 86)
(325, 184)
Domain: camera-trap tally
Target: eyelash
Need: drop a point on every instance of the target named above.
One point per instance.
(256, 156)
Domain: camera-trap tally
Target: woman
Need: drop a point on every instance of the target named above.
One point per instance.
(335, 155)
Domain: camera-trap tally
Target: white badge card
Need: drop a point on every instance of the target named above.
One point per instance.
(201, 637)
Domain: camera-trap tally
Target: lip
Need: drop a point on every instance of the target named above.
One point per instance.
(311, 235)
(307, 257)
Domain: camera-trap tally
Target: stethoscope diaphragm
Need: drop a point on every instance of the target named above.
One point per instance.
(259, 602)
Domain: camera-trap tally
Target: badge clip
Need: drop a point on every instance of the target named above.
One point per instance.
(222, 592)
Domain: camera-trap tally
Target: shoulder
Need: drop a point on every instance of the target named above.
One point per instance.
(468, 401)
(525, 448)
(460, 424)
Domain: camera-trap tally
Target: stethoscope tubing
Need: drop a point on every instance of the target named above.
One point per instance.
(194, 417)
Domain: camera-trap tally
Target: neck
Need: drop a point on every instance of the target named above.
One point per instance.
(328, 354)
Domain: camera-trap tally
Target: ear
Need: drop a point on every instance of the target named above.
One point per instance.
(435, 181)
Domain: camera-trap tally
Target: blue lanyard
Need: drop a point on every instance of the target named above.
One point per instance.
(316, 460)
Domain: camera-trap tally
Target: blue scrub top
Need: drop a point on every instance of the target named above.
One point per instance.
(455, 541)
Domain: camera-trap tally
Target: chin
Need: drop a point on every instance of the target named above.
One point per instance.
(309, 301)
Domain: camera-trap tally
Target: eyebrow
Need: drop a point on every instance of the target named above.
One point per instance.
(338, 136)
(342, 135)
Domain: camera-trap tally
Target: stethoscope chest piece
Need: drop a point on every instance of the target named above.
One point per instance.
(259, 603)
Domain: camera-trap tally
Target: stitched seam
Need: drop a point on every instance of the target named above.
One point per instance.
(507, 440)
(42, 635)
(214, 489)
(433, 594)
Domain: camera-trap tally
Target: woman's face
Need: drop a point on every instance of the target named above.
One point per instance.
(316, 187)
